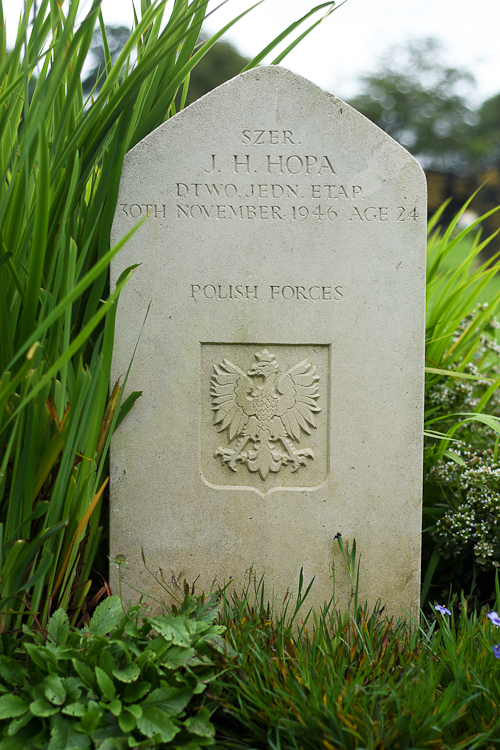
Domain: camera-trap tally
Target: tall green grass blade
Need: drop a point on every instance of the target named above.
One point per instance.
(289, 30)
(305, 33)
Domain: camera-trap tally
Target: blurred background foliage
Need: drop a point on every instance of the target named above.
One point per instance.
(422, 103)
(426, 106)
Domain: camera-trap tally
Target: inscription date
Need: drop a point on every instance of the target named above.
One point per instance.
(314, 212)
(267, 211)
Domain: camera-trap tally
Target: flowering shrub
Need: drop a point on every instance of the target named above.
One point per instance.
(472, 521)
(451, 395)
(463, 487)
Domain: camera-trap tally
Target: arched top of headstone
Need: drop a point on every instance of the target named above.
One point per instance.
(292, 114)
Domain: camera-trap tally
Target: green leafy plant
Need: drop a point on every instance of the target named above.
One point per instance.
(353, 678)
(473, 493)
(60, 163)
(462, 412)
(126, 680)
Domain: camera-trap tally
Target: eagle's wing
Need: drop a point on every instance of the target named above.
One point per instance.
(229, 388)
(297, 403)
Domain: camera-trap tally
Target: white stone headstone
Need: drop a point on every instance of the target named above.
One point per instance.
(281, 363)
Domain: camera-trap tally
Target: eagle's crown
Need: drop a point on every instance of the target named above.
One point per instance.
(266, 364)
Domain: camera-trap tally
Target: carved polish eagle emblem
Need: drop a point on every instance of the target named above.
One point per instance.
(265, 411)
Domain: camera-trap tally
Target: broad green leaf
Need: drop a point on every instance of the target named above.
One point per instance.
(59, 626)
(12, 706)
(200, 724)
(38, 692)
(19, 742)
(42, 707)
(215, 640)
(106, 661)
(127, 721)
(113, 742)
(91, 718)
(73, 686)
(200, 626)
(86, 674)
(105, 683)
(136, 691)
(214, 630)
(135, 710)
(149, 655)
(176, 656)
(18, 724)
(11, 671)
(132, 629)
(53, 688)
(115, 707)
(106, 615)
(197, 661)
(74, 709)
(129, 673)
(40, 655)
(169, 699)
(155, 721)
(156, 649)
(64, 735)
(201, 686)
(172, 629)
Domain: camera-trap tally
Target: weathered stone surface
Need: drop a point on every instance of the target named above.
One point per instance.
(281, 362)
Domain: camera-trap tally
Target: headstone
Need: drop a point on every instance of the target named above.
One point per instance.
(281, 362)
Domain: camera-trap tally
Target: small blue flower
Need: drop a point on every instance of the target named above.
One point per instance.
(496, 651)
(442, 610)
(495, 619)
(337, 535)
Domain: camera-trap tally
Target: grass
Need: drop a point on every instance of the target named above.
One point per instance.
(356, 680)
(460, 254)
(256, 678)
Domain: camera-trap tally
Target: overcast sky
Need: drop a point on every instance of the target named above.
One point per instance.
(352, 39)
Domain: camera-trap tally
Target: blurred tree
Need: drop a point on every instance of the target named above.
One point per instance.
(486, 142)
(422, 103)
(95, 75)
(219, 65)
